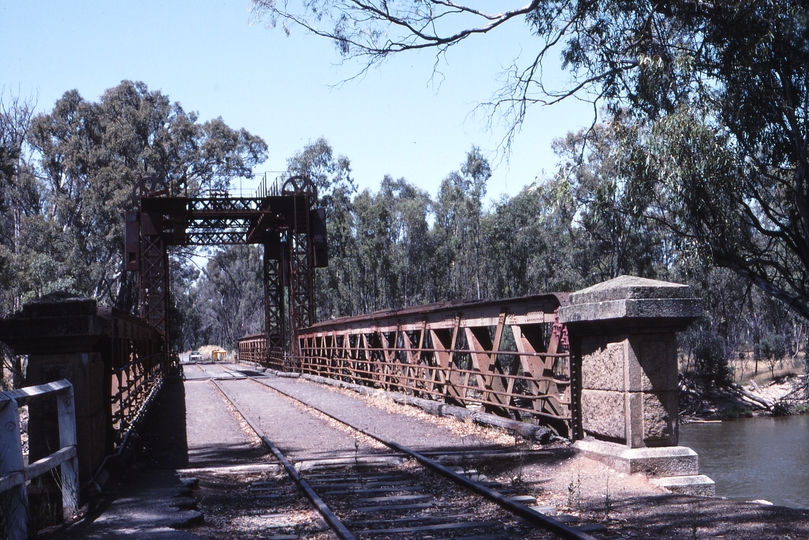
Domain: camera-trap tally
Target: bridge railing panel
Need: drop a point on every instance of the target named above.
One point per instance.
(136, 362)
(254, 349)
(137, 373)
(114, 360)
(14, 474)
(508, 357)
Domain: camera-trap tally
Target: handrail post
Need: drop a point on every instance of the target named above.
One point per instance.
(15, 500)
(65, 408)
(14, 474)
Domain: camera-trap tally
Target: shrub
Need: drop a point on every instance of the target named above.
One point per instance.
(772, 348)
(711, 361)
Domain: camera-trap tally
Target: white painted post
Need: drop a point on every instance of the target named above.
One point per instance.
(15, 500)
(70, 468)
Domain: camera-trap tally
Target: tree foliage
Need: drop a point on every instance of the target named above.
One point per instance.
(91, 155)
(714, 99)
(68, 177)
(225, 303)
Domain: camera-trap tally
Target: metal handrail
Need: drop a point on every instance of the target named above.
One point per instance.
(13, 472)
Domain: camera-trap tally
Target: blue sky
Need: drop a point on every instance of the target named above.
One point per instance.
(214, 58)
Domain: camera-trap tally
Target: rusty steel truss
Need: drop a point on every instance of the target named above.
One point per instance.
(133, 352)
(508, 357)
(282, 219)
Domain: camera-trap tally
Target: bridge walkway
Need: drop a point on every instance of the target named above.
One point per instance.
(191, 429)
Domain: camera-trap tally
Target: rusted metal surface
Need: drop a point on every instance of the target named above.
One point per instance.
(113, 359)
(509, 357)
(281, 217)
(154, 282)
(136, 357)
(254, 349)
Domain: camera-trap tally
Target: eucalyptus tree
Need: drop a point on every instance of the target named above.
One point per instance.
(719, 90)
(20, 204)
(409, 209)
(228, 297)
(92, 154)
(20, 197)
(614, 233)
(337, 284)
(329, 173)
(528, 242)
(377, 283)
(456, 233)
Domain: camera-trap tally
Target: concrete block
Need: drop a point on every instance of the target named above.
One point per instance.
(623, 333)
(657, 360)
(698, 484)
(603, 413)
(660, 426)
(653, 462)
(634, 419)
(604, 365)
(628, 297)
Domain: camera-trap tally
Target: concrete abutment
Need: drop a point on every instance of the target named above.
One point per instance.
(623, 340)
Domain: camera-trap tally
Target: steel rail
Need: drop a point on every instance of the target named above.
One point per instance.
(334, 522)
(410, 382)
(398, 349)
(532, 516)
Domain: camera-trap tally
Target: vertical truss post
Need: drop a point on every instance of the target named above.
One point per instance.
(301, 283)
(274, 293)
(154, 284)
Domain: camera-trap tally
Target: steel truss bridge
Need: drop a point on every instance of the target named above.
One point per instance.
(508, 357)
(283, 218)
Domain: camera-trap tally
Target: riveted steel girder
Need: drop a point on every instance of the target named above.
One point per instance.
(510, 357)
(281, 220)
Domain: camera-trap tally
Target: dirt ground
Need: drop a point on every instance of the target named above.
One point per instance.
(565, 483)
(628, 506)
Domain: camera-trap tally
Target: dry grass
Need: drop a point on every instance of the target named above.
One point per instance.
(459, 428)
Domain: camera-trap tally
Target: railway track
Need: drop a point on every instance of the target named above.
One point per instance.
(412, 497)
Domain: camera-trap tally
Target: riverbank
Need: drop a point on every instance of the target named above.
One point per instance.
(784, 395)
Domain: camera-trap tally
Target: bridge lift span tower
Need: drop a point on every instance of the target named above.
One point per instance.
(282, 217)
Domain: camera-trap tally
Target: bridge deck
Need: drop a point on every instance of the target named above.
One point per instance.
(192, 430)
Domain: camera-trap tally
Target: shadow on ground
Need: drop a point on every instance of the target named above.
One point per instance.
(163, 443)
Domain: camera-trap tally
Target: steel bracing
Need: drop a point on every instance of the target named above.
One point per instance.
(154, 282)
(509, 357)
(274, 301)
(302, 299)
(280, 219)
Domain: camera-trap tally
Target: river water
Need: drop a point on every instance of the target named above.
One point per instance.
(755, 458)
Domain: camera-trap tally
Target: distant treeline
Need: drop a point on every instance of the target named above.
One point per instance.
(66, 179)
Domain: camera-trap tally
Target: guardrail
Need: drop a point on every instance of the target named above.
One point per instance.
(115, 362)
(253, 348)
(137, 363)
(508, 357)
(14, 473)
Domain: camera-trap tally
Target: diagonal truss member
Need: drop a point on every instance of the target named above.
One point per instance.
(284, 220)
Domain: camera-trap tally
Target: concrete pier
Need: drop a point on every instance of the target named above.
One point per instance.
(623, 336)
